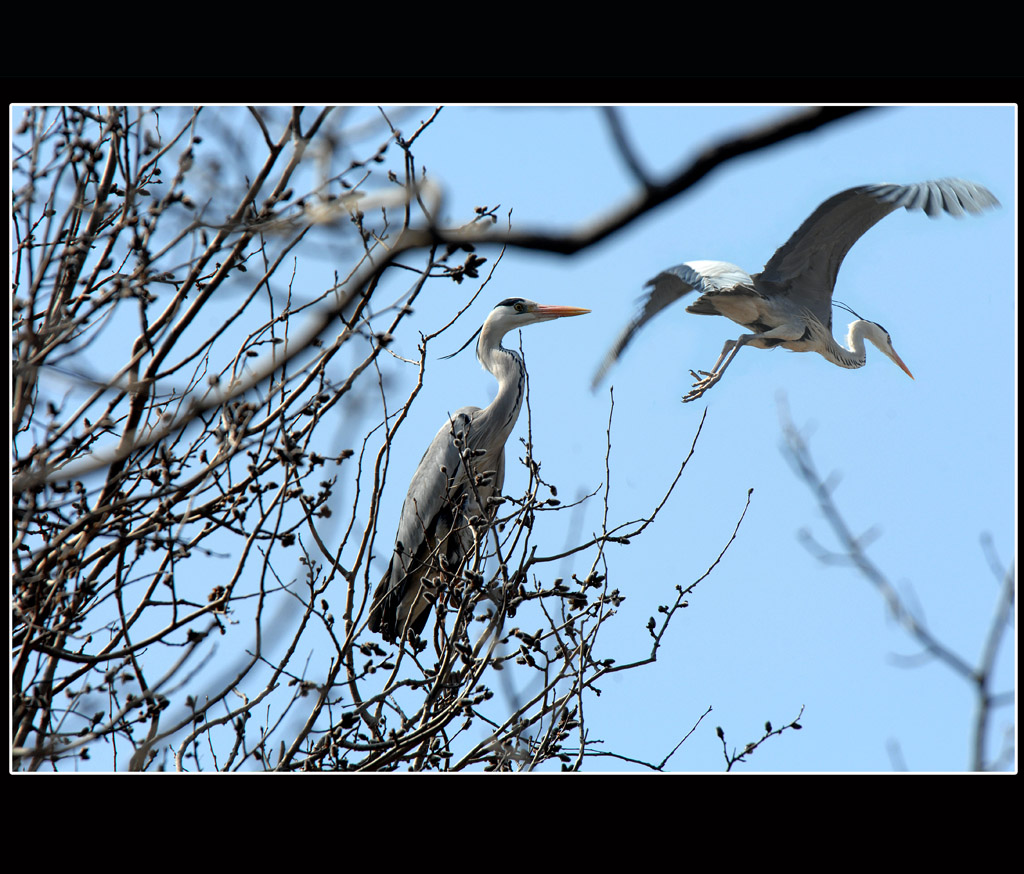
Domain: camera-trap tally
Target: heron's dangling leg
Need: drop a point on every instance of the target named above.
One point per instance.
(696, 374)
(731, 347)
(712, 376)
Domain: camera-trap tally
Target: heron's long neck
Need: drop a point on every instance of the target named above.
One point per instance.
(855, 356)
(500, 415)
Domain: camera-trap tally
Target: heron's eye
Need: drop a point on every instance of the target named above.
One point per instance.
(520, 308)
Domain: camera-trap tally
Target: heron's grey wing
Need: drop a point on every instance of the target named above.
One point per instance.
(805, 268)
(436, 475)
(666, 288)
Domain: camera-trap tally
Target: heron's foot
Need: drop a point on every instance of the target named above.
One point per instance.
(701, 385)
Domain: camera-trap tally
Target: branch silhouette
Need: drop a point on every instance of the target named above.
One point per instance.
(202, 438)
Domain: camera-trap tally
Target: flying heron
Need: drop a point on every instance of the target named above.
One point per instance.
(463, 468)
(789, 303)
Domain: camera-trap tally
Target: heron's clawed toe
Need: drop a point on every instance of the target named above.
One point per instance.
(701, 385)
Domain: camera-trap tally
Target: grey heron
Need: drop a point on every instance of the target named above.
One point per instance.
(789, 303)
(435, 531)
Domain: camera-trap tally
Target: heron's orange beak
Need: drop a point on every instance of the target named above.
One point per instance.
(901, 365)
(556, 312)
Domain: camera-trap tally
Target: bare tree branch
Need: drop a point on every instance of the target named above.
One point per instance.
(852, 551)
(202, 440)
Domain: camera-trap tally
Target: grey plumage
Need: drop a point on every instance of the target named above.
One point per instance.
(789, 303)
(459, 474)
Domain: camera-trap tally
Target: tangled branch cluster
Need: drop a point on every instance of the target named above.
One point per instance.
(187, 591)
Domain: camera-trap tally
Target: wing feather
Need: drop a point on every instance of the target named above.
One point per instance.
(433, 485)
(805, 268)
(668, 287)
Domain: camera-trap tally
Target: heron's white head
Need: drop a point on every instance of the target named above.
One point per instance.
(880, 337)
(517, 312)
(512, 313)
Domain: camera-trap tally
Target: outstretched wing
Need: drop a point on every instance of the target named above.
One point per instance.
(805, 268)
(666, 288)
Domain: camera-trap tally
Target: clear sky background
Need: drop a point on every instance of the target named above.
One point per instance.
(930, 462)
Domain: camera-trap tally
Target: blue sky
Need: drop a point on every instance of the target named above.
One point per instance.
(930, 462)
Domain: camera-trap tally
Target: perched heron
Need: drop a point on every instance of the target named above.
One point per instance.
(789, 303)
(434, 531)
